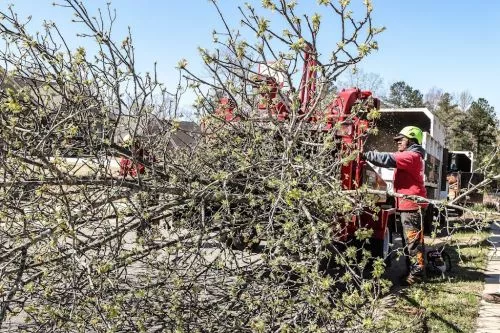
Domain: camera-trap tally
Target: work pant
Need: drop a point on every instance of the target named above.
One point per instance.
(414, 237)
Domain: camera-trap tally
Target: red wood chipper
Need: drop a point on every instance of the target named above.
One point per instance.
(349, 127)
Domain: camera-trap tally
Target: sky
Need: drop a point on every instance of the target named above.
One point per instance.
(447, 44)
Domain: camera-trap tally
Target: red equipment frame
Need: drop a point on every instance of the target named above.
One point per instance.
(352, 132)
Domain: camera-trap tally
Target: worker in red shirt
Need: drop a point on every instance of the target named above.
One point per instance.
(130, 167)
(408, 162)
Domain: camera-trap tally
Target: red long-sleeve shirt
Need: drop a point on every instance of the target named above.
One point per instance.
(129, 168)
(408, 173)
(409, 178)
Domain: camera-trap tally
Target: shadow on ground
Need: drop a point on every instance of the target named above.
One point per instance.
(446, 291)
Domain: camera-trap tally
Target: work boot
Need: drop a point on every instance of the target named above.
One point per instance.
(492, 298)
(416, 275)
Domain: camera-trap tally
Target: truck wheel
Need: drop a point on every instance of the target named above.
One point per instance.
(387, 247)
(381, 248)
(430, 212)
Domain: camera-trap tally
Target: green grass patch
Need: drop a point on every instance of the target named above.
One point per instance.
(448, 304)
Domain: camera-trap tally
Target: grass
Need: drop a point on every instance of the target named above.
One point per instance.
(447, 304)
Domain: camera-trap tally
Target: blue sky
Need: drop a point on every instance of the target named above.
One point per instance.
(452, 45)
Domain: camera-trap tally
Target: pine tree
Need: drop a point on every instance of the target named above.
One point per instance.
(452, 118)
(482, 125)
(402, 95)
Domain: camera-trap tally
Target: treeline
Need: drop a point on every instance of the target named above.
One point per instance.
(470, 124)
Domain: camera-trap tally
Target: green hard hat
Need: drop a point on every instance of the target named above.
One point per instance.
(411, 132)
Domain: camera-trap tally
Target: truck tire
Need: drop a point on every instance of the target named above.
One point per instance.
(429, 215)
(382, 248)
(387, 247)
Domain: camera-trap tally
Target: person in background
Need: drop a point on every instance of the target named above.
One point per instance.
(127, 166)
(408, 162)
(452, 185)
(131, 167)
